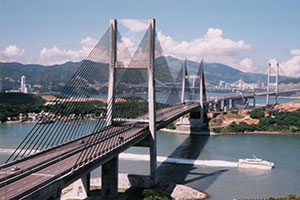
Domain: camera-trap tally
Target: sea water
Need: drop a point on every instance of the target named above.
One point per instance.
(206, 163)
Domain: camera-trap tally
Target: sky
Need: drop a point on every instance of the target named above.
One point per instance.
(246, 35)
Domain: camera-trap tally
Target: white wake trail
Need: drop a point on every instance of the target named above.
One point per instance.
(207, 163)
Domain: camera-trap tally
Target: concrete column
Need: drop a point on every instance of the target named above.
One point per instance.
(111, 76)
(268, 86)
(227, 103)
(233, 103)
(183, 80)
(246, 102)
(109, 185)
(151, 107)
(201, 89)
(217, 106)
(241, 102)
(81, 188)
(277, 80)
(254, 101)
(222, 104)
(86, 183)
(230, 102)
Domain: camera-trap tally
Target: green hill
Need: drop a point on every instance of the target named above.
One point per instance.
(20, 99)
(45, 79)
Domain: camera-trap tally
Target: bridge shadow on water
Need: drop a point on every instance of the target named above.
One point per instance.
(171, 174)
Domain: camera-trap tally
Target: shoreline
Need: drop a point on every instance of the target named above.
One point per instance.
(208, 133)
(126, 181)
(19, 122)
(34, 122)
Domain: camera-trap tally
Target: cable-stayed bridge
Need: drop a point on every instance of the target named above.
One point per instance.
(79, 133)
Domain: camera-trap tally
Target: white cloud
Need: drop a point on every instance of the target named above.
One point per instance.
(295, 52)
(56, 55)
(134, 25)
(11, 53)
(88, 42)
(292, 66)
(246, 65)
(212, 47)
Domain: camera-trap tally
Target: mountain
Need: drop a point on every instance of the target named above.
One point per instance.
(53, 78)
(215, 72)
(43, 78)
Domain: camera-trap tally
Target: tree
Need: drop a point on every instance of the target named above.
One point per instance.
(257, 113)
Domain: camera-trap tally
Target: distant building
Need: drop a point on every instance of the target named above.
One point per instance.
(25, 88)
(221, 84)
(12, 91)
(241, 85)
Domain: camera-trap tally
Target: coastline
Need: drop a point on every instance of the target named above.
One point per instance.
(19, 122)
(127, 181)
(228, 133)
(210, 133)
(34, 122)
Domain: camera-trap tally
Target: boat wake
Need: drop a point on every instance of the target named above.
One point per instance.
(11, 151)
(145, 157)
(206, 163)
(6, 151)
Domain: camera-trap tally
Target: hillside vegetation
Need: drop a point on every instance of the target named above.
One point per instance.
(277, 121)
(53, 78)
(21, 99)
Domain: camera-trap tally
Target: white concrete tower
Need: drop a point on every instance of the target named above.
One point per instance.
(111, 79)
(183, 80)
(151, 105)
(277, 78)
(268, 84)
(23, 84)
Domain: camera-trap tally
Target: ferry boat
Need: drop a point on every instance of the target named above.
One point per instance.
(255, 163)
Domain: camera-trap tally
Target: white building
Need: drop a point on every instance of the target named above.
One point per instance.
(25, 88)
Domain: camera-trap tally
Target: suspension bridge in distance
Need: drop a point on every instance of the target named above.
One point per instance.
(56, 153)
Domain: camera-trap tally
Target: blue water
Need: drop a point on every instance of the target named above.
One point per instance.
(219, 182)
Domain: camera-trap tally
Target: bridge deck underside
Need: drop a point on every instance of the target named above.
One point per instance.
(42, 169)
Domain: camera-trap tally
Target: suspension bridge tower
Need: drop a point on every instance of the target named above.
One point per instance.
(271, 85)
(195, 122)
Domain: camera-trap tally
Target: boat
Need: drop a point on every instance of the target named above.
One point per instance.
(255, 163)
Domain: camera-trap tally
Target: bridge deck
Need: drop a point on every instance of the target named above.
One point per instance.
(43, 168)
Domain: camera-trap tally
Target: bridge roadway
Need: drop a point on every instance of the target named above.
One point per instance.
(251, 95)
(50, 171)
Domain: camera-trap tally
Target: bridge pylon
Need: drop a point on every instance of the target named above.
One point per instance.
(273, 85)
(110, 171)
(151, 104)
(196, 120)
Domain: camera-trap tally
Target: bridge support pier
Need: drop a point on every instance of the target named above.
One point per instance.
(82, 186)
(237, 102)
(254, 102)
(109, 179)
(224, 105)
(218, 106)
(86, 182)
